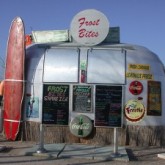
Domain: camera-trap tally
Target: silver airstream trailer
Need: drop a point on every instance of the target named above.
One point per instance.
(81, 92)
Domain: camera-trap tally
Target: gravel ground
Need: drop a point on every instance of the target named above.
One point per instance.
(11, 155)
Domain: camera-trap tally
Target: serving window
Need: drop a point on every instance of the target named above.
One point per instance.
(106, 66)
(61, 65)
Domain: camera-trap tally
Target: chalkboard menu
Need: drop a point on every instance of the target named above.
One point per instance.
(82, 98)
(55, 104)
(108, 106)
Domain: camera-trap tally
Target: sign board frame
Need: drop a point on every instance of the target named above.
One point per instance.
(154, 107)
(55, 108)
(82, 98)
(109, 101)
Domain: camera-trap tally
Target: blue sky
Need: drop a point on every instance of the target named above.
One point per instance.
(141, 22)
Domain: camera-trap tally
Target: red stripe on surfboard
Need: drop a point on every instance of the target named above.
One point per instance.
(11, 128)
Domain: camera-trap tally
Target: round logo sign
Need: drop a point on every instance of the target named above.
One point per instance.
(89, 27)
(81, 126)
(136, 87)
(134, 110)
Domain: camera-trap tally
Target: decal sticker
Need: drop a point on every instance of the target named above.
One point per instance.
(83, 70)
(136, 87)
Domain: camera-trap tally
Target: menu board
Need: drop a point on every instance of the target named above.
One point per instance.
(55, 104)
(154, 98)
(108, 106)
(82, 98)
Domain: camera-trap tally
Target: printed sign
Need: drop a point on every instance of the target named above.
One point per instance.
(154, 98)
(108, 106)
(134, 110)
(83, 66)
(136, 87)
(81, 126)
(138, 67)
(83, 76)
(55, 104)
(141, 76)
(81, 98)
(32, 107)
(89, 27)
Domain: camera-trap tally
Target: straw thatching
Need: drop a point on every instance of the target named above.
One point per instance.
(130, 135)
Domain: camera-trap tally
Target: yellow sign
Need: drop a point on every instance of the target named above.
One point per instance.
(134, 110)
(142, 76)
(138, 67)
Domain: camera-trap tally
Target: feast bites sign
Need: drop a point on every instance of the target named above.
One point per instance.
(89, 27)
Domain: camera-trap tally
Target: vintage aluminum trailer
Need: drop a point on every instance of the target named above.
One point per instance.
(81, 92)
(58, 67)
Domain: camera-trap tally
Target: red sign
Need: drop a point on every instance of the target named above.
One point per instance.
(136, 87)
(89, 27)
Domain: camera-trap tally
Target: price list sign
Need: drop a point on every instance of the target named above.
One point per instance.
(81, 98)
(108, 106)
(55, 104)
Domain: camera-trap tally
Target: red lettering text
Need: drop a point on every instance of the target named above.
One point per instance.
(87, 34)
(85, 22)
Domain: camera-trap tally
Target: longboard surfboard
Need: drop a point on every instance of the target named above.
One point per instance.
(14, 79)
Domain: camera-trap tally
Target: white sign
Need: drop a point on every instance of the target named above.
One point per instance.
(89, 27)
